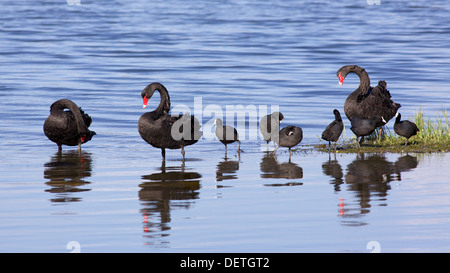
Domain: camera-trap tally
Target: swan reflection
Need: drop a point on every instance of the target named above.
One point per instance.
(369, 177)
(169, 188)
(67, 172)
(271, 168)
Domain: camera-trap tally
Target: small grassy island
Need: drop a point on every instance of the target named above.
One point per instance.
(433, 136)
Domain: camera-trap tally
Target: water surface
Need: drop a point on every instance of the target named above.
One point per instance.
(118, 196)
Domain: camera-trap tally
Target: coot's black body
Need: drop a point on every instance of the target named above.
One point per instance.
(363, 127)
(269, 126)
(289, 137)
(226, 134)
(405, 128)
(334, 129)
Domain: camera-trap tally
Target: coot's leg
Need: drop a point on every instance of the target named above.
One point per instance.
(274, 151)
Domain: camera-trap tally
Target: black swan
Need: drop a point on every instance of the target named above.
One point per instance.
(363, 127)
(288, 137)
(405, 128)
(226, 134)
(266, 123)
(68, 127)
(367, 102)
(334, 129)
(162, 130)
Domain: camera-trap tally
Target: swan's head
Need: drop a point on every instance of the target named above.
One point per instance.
(148, 91)
(346, 69)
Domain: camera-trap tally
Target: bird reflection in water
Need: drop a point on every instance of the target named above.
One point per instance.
(67, 172)
(404, 164)
(170, 188)
(271, 168)
(369, 177)
(226, 169)
(333, 168)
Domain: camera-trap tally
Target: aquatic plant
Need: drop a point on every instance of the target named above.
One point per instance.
(431, 132)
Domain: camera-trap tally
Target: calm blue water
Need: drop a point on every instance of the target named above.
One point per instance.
(118, 197)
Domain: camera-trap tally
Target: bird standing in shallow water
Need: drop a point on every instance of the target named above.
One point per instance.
(226, 134)
(334, 129)
(68, 127)
(405, 128)
(163, 130)
(363, 127)
(269, 126)
(289, 137)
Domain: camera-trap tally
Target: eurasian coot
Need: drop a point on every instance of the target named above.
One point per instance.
(289, 137)
(334, 129)
(226, 134)
(269, 126)
(362, 127)
(405, 128)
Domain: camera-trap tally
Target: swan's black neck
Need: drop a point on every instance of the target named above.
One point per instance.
(164, 104)
(58, 108)
(364, 80)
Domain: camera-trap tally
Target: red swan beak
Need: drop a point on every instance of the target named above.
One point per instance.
(341, 79)
(82, 138)
(145, 102)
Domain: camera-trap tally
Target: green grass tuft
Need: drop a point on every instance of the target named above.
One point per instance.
(433, 136)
